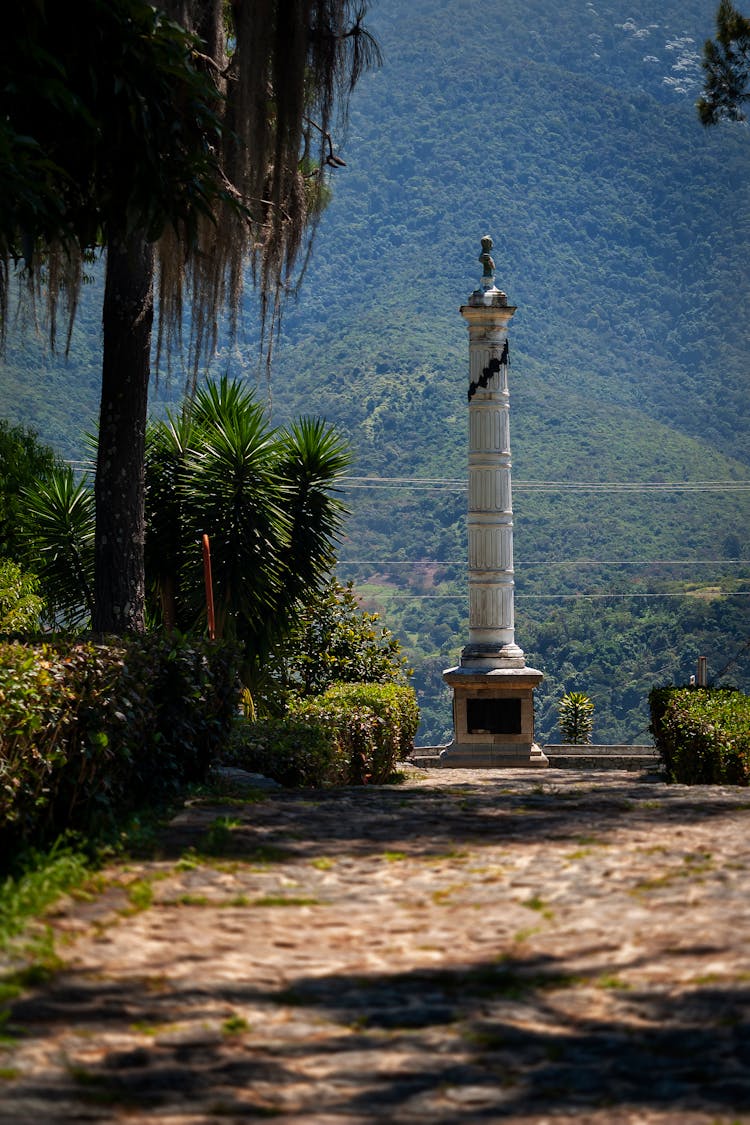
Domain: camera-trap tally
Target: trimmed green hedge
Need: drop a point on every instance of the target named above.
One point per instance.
(703, 734)
(293, 751)
(352, 734)
(90, 730)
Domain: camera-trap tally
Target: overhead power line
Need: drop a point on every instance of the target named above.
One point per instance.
(448, 484)
(442, 563)
(703, 594)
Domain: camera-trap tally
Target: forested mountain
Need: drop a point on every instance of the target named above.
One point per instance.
(622, 232)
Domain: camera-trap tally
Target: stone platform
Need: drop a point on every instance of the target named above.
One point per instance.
(566, 756)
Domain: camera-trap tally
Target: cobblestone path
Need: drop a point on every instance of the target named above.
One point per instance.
(467, 947)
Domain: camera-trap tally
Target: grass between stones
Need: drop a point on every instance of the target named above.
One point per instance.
(694, 866)
(235, 1025)
(286, 900)
(322, 863)
(538, 904)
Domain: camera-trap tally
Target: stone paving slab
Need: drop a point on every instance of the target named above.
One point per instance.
(471, 946)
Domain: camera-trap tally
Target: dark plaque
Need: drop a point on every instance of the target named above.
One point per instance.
(493, 716)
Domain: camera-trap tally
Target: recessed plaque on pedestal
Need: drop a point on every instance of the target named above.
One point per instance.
(493, 716)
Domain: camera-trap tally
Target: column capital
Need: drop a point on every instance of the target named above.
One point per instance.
(490, 314)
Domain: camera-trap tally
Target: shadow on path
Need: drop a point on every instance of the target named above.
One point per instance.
(497, 1038)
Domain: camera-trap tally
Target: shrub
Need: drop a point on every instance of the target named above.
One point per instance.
(374, 725)
(352, 734)
(293, 751)
(20, 601)
(333, 641)
(703, 734)
(89, 730)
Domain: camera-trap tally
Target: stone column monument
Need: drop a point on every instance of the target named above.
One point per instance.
(493, 706)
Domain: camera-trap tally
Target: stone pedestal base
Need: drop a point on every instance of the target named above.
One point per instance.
(492, 756)
(493, 718)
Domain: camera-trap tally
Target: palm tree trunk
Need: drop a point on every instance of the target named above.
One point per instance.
(119, 583)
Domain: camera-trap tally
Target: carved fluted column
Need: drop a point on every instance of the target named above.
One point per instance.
(493, 709)
(490, 519)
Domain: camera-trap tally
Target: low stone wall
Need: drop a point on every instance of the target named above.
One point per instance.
(603, 756)
(565, 755)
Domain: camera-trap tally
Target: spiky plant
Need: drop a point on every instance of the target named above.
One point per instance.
(232, 493)
(266, 499)
(60, 522)
(576, 717)
(312, 459)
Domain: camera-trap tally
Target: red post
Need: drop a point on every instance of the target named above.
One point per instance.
(209, 588)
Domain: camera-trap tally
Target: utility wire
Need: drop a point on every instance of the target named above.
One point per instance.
(447, 484)
(442, 563)
(374, 596)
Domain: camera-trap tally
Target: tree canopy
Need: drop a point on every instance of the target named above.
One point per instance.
(204, 126)
(726, 63)
(107, 123)
(189, 140)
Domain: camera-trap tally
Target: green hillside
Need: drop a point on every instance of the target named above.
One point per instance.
(622, 232)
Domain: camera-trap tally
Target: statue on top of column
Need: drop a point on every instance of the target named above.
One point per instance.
(486, 259)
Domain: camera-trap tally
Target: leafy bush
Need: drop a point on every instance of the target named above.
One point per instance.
(293, 751)
(703, 734)
(336, 641)
(352, 734)
(374, 725)
(20, 602)
(91, 730)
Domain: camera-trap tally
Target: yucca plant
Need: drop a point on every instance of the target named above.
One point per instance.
(576, 717)
(312, 460)
(233, 492)
(59, 518)
(167, 445)
(265, 498)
